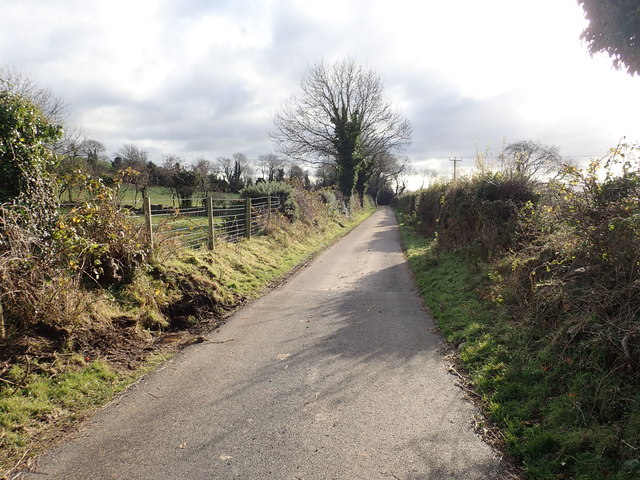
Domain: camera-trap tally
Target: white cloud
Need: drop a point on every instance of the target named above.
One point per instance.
(202, 77)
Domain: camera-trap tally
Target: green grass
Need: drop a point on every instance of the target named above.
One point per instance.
(158, 195)
(164, 196)
(553, 412)
(55, 394)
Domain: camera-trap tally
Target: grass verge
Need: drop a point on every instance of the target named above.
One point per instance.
(52, 388)
(537, 396)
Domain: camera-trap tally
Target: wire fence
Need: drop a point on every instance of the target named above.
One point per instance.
(198, 223)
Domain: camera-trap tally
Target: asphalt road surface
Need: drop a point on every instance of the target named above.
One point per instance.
(337, 374)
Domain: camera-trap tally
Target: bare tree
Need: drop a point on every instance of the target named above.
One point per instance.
(52, 107)
(93, 151)
(427, 175)
(340, 115)
(225, 167)
(134, 162)
(243, 171)
(400, 171)
(237, 170)
(389, 168)
(202, 168)
(271, 165)
(531, 159)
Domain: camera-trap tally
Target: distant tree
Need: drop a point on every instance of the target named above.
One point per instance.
(326, 175)
(225, 167)
(299, 176)
(217, 184)
(341, 115)
(68, 172)
(132, 156)
(531, 159)
(244, 171)
(427, 175)
(614, 28)
(400, 172)
(389, 176)
(236, 170)
(202, 169)
(296, 174)
(135, 161)
(93, 152)
(378, 171)
(182, 180)
(270, 164)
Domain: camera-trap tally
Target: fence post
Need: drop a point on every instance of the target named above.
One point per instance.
(247, 218)
(268, 209)
(210, 215)
(149, 225)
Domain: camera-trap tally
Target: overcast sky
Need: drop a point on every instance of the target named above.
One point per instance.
(204, 77)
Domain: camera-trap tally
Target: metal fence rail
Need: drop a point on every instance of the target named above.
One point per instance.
(202, 222)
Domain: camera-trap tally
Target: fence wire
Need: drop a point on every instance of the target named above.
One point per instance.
(188, 225)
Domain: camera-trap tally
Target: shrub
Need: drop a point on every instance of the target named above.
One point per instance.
(428, 206)
(34, 291)
(574, 291)
(330, 199)
(97, 239)
(482, 211)
(25, 157)
(282, 190)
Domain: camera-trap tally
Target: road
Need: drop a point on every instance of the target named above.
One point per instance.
(337, 374)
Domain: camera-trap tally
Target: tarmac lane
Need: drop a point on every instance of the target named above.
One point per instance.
(336, 374)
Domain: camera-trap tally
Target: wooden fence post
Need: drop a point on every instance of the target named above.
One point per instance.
(268, 209)
(149, 225)
(247, 218)
(210, 215)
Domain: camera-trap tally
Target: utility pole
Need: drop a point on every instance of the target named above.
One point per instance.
(455, 161)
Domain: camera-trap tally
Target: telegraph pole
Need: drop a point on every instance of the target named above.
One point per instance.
(455, 161)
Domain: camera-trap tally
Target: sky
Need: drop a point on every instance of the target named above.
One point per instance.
(203, 78)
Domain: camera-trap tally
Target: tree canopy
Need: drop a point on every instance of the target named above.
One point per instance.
(340, 117)
(614, 28)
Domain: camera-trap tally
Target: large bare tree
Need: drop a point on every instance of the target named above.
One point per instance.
(340, 115)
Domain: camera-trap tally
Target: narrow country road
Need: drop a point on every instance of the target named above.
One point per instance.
(336, 374)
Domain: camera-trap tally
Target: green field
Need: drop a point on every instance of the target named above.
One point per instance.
(159, 196)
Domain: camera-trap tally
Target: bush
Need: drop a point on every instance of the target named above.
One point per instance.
(41, 276)
(282, 190)
(96, 238)
(34, 291)
(333, 201)
(574, 292)
(24, 159)
(483, 211)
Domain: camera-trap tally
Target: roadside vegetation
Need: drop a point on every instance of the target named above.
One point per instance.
(72, 340)
(537, 287)
(85, 307)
